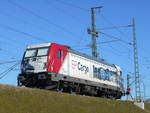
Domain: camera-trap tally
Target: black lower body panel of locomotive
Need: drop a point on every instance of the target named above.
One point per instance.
(63, 83)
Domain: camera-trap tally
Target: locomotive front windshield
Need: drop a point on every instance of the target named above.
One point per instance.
(37, 52)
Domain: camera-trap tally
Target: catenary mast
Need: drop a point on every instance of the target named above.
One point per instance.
(93, 32)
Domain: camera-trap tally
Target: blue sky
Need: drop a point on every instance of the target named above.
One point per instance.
(26, 22)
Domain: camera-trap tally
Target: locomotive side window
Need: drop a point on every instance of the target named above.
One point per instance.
(59, 53)
(42, 51)
(31, 53)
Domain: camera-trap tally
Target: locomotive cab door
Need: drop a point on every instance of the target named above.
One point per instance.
(57, 62)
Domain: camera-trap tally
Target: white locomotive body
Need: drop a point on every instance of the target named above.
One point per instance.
(58, 67)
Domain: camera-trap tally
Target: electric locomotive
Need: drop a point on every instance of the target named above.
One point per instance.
(58, 67)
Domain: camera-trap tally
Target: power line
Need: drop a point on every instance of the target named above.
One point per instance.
(145, 51)
(114, 27)
(34, 25)
(98, 46)
(21, 32)
(108, 41)
(26, 22)
(113, 51)
(10, 40)
(105, 42)
(124, 41)
(108, 35)
(65, 12)
(71, 16)
(120, 52)
(43, 18)
(8, 44)
(70, 4)
(4, 73)
(8, 62)
(117, 29)
(7, 52)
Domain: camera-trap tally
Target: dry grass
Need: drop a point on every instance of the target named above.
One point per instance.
(26, 100)
(147, 106)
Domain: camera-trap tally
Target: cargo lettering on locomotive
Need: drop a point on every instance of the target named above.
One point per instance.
(80, 66)
(83, 68)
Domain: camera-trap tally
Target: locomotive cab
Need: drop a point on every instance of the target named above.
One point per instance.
(39, 62)
(35, 60)
(34, 64)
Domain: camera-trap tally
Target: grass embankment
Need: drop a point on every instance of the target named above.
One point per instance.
(26, 100)
(147, 107)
